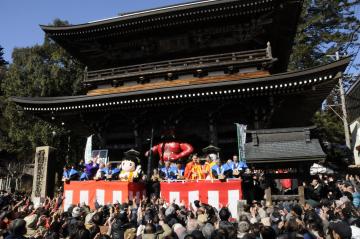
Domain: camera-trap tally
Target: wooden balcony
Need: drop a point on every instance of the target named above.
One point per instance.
(172, 69)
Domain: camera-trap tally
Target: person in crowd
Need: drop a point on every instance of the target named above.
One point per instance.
(315, 190)
(17, 229)
(248, 186)
(152, 217)
(193, 169)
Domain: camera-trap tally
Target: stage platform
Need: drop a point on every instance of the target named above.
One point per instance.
(213, 192)
(103, 191)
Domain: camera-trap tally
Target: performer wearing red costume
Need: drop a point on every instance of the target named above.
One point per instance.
(172, 151)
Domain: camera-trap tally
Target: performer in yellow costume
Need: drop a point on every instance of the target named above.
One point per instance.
(210, 162)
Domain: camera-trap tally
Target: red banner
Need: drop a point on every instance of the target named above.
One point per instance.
(103, 191)
(215, 193)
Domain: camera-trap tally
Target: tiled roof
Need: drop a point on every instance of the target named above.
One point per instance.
(286, 151)
(283, 145)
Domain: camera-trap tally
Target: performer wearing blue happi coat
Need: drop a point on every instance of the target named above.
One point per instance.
(66, 174)
(228, 168)
(84, 176)
(70, 174)
(237, 166)
(217, 169)
(179, 171)
(168, 172)
(110, 172)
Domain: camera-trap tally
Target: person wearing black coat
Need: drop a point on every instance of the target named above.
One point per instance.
(17, 229)
(248, 186)
(120, 225)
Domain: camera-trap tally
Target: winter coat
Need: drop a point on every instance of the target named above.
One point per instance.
(13, 236)
(166, 232)
(356, 199)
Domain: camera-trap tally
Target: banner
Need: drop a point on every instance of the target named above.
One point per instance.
(214, 193)
(88, 149)
(241, 139)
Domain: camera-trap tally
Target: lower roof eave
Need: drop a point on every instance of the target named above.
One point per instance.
(286, 160)
(314, 77)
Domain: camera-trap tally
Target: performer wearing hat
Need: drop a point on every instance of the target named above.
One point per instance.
(212, 154)
(129, 170)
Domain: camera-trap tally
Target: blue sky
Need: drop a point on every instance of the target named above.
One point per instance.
(20, 19)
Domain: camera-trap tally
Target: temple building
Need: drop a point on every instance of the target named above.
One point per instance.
(353, 109)
(195, 68)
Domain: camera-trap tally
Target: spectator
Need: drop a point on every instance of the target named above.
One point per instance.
(17, 229)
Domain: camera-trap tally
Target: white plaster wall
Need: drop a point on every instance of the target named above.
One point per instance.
(355, 136)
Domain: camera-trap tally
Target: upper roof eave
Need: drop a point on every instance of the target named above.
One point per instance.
(82, 98)
(135, 15)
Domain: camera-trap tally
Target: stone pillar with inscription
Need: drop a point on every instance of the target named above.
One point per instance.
(44, 173)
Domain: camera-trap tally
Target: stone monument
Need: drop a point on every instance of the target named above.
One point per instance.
(44, 173)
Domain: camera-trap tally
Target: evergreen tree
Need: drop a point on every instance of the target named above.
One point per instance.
(326, 27)
(38, 71)
(2, 60)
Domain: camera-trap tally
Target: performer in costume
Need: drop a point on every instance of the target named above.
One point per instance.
(218, 170)
(66, 174)
(179, 171)
(212, 153)
(100, 173)
(84, 176)
(193, 169)
(91, 168)
(170, 150)
(110, 172)
(210, 162)
(168, 172)
(227, 167)
(70, 174)
(129, 170)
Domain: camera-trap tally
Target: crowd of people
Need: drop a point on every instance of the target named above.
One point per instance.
(331, 210)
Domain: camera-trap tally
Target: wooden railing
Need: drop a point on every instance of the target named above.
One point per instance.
(275, 199)
(179, 65)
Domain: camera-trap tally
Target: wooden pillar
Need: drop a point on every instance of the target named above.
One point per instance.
(268, 197)
(213, 136)
(301, 195)
(256, 118)
(137, 138)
